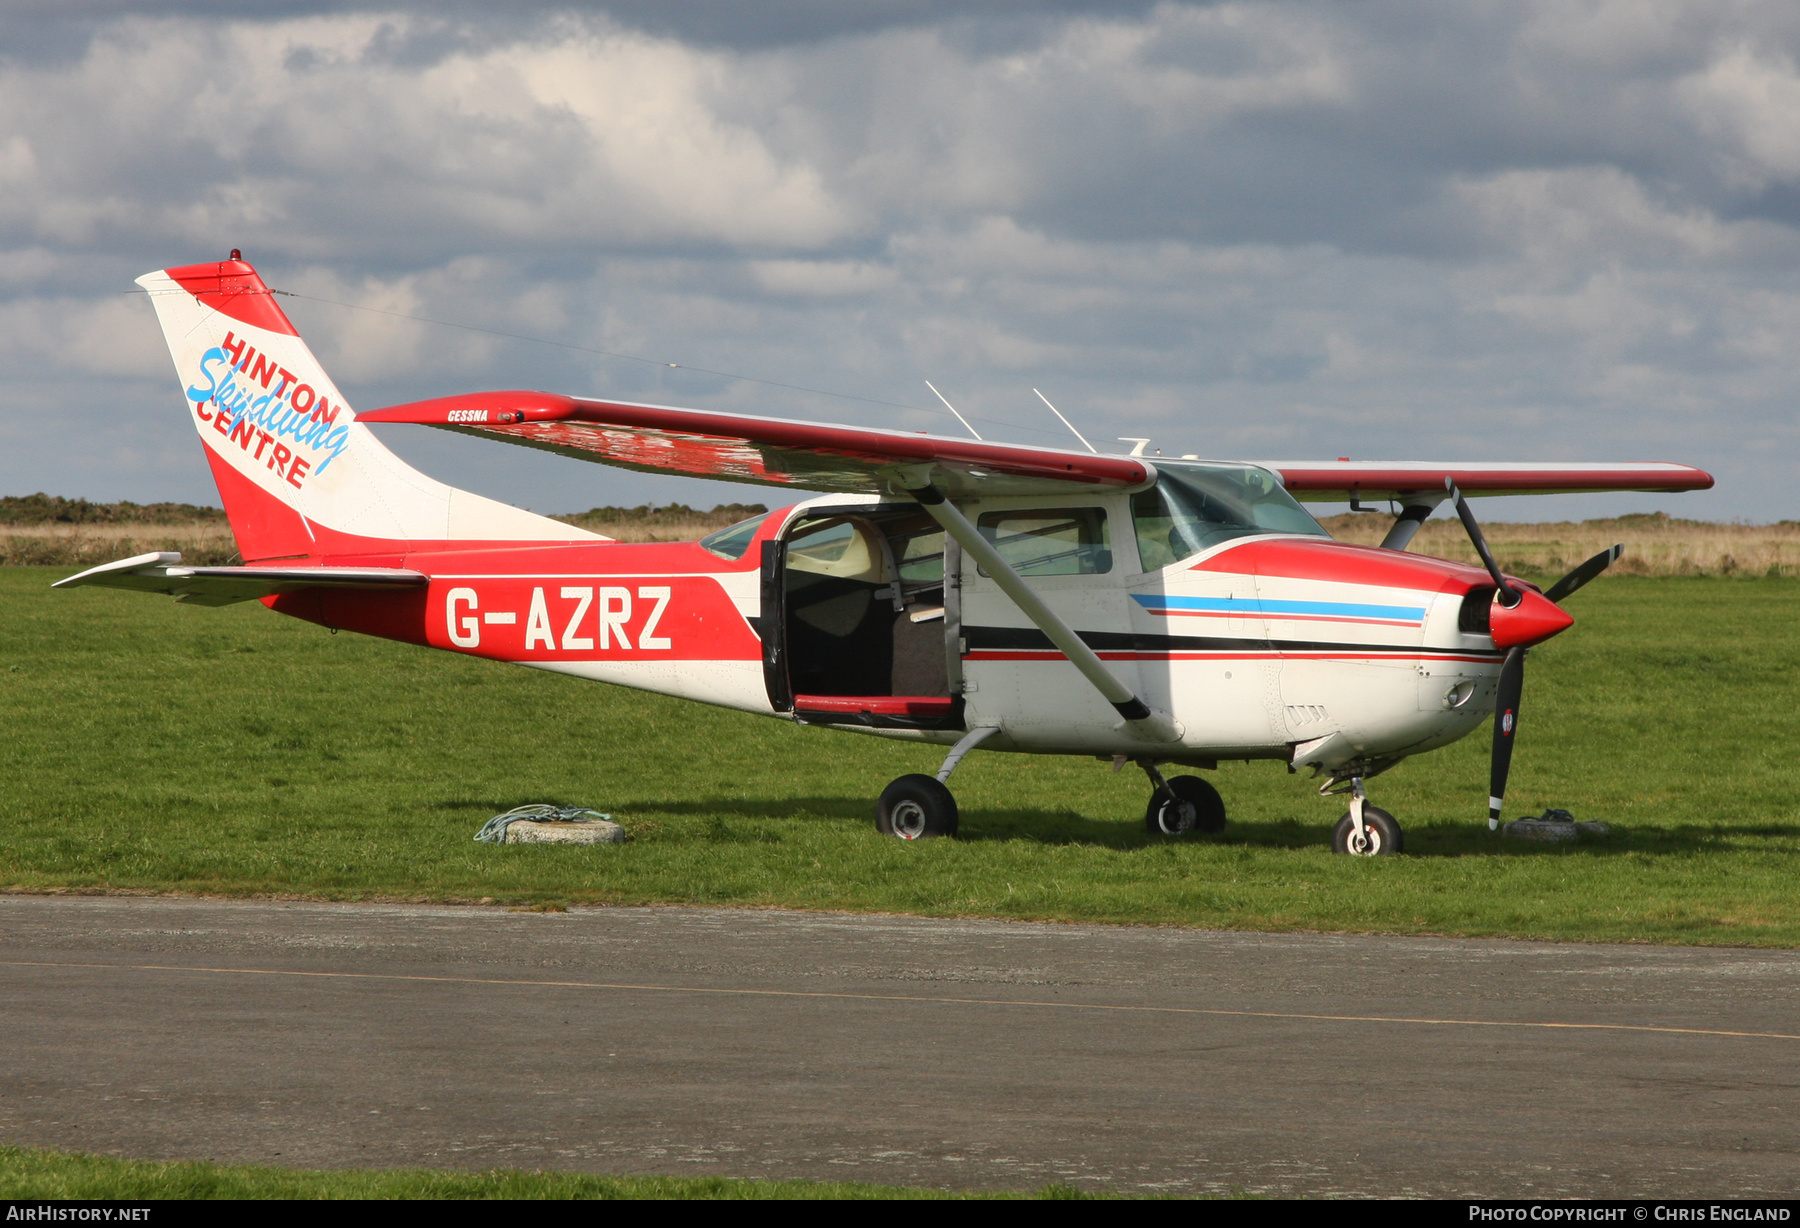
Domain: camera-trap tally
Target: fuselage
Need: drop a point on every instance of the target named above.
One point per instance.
(846, 610)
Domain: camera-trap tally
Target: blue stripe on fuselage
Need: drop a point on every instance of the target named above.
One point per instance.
(1251, 606)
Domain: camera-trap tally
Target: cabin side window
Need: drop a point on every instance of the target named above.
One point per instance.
(1063, 541)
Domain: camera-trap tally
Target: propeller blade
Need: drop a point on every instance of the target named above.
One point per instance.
(1508, 597)
(1582, 574)
(1506, 724)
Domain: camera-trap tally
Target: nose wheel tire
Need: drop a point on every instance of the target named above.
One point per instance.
(1185, 804)
(916, 808)
(1381, 835)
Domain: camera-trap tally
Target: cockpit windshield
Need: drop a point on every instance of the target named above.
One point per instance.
(1195, 507)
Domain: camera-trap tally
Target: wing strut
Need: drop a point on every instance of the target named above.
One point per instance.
(1414, 511)
(1147, 724)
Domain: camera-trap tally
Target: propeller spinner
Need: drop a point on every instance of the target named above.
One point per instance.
(1518, 619)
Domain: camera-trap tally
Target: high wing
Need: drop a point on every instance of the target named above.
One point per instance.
(1341, 481)
(821, 456)
(162, 573)
(766, 451)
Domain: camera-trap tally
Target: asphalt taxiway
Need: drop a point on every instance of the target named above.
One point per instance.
(896, 1049)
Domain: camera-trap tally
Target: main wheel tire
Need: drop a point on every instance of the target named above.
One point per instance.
(1164, 816)
(1382, 835)
(916, 808)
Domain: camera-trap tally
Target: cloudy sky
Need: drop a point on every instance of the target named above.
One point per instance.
(1390, 229)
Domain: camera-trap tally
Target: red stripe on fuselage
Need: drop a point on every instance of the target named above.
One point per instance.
(1341, 563)
(592, 602)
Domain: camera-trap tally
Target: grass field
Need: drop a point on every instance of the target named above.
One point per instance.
(27, 1175)
(146, 746)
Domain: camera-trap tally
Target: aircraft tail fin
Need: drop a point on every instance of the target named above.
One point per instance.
(299, 476)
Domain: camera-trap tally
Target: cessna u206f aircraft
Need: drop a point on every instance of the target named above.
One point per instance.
(951, 591)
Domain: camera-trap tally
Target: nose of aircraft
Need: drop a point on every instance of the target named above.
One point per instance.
(1532, 621)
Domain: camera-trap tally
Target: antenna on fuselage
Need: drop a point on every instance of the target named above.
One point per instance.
(952, 409)
(1084, 443)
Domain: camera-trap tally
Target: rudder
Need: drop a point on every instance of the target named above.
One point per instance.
(299, 477)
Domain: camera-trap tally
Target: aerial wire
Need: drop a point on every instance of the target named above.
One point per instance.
(588, 349)
(731, 375)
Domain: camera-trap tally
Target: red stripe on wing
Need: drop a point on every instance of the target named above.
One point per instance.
(780, 451)
(1379, 479)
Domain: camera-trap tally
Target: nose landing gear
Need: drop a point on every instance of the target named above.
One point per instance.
(1365, 830)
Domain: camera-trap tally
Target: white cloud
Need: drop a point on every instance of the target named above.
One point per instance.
(1247, 227)
(1749, 98)
(823, 278)
(1598, 214)
(290, 132)
(115, 335)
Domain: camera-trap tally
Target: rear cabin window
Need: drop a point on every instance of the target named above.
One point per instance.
(1196, 507)
(1063, 541)
(731, 541)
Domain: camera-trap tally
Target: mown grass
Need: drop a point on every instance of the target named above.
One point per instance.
(28, 1175)
(147, 746)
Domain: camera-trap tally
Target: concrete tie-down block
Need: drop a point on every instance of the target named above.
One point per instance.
(585, 831)
(1553, 826)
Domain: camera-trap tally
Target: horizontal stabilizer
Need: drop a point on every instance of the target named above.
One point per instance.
(162, 573)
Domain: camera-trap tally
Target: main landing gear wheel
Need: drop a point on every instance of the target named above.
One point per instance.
(1204, 810)
(916, 808)
(1381, 835)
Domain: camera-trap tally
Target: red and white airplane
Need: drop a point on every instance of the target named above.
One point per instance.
(943, 590)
